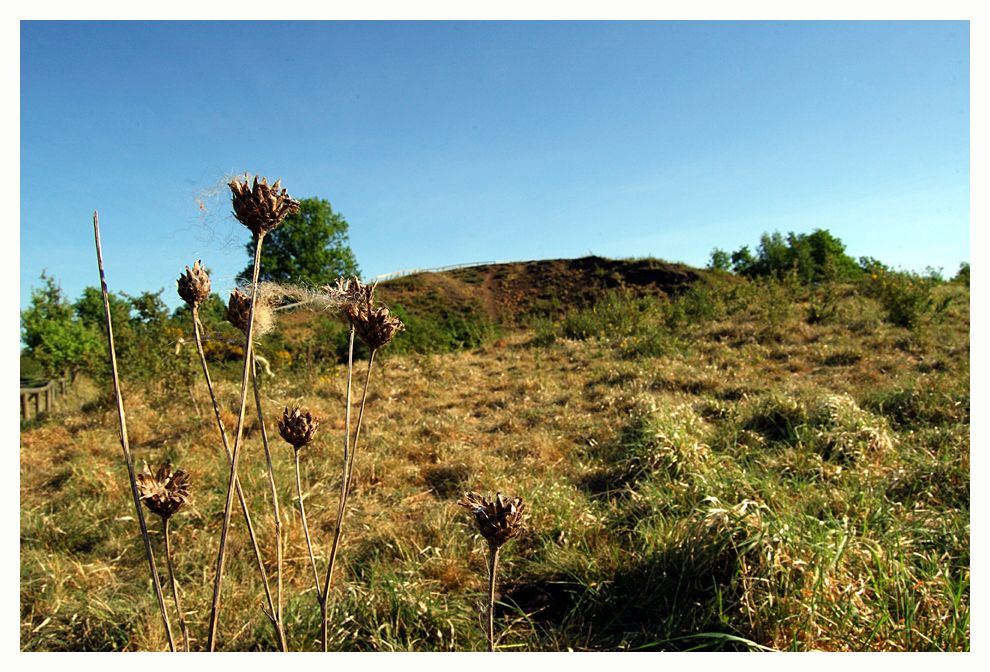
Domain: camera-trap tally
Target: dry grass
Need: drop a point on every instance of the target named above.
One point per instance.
(805, 488)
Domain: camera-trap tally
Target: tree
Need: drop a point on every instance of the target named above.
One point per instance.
(742, 261)
(719, 260)
(962, 276)
(814, 257)
(829, 258)
(309, 248)
(52, 335)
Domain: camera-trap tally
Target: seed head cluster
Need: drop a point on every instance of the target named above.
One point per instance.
(239, 313)
(498, 520)
(298, 427)
(259, 207)
(165, 491)
(194, 285)
(373, 325)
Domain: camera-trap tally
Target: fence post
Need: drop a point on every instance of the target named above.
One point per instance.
(24, 405)
(37, 404)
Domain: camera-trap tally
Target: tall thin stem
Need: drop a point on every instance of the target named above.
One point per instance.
(357, 429)
(124, 445)
(343, 486)
(492, 568)
(175, 588)
(221, 554)
(271, 481)
(271, 613)
(305, 526)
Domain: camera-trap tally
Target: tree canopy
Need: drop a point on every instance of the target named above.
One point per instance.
(51, 333)
(309, 248)
(814, 257)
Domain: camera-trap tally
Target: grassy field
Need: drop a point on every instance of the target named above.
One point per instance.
(751, 465)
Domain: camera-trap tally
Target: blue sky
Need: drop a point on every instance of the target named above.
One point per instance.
(451, 142)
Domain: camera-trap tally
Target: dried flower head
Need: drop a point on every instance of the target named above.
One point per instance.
(239, 312)
(194, 285)
(345, 292)
(165, 491)
(298, 427)
(259, 207)
(375, 326)
(498, 520)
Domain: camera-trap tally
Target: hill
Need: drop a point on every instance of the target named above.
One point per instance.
(467, 307)
(513, 292)
(707, 463)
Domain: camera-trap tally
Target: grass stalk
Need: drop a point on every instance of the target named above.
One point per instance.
(125, 446)
(271, 481)
(344, 482)
(175, 588)
(221, 554)
(272, 612)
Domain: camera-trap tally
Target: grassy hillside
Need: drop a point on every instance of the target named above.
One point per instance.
(709, 463)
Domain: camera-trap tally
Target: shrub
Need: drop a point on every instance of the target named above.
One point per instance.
(906, 298)
(813, 257)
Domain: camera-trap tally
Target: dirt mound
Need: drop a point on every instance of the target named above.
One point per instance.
(508, 293)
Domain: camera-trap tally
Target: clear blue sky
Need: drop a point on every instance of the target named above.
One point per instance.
(454, 142)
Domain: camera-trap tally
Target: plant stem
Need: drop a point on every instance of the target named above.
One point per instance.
(343, 485)
(175, 589)
(492, 568)
(221, 555)
(357, 429)
(125, 446)
(276, 623)
(309, 544)
(271, 480)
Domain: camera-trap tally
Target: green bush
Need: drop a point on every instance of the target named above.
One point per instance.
(906, 298)
(814, 257)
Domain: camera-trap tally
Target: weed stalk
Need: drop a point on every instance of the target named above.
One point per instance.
(123, 437)
(492, 569)
(305, 526)
(271, 481)
(221, 554)
(175, 588)
(344, 482)
(271, 613)
(360, 418)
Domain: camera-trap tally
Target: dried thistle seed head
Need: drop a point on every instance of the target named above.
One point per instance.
(358, 292)
(259, 207)
(165, 491)
(239, 309)
(345, 293)
(194, 285)
(239, 312)
(298, 427)
(375, 326)
(498, 520)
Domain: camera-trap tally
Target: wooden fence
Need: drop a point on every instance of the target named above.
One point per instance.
(42, 396)
(438, 269)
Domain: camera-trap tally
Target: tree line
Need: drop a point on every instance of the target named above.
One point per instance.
(812, 257)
